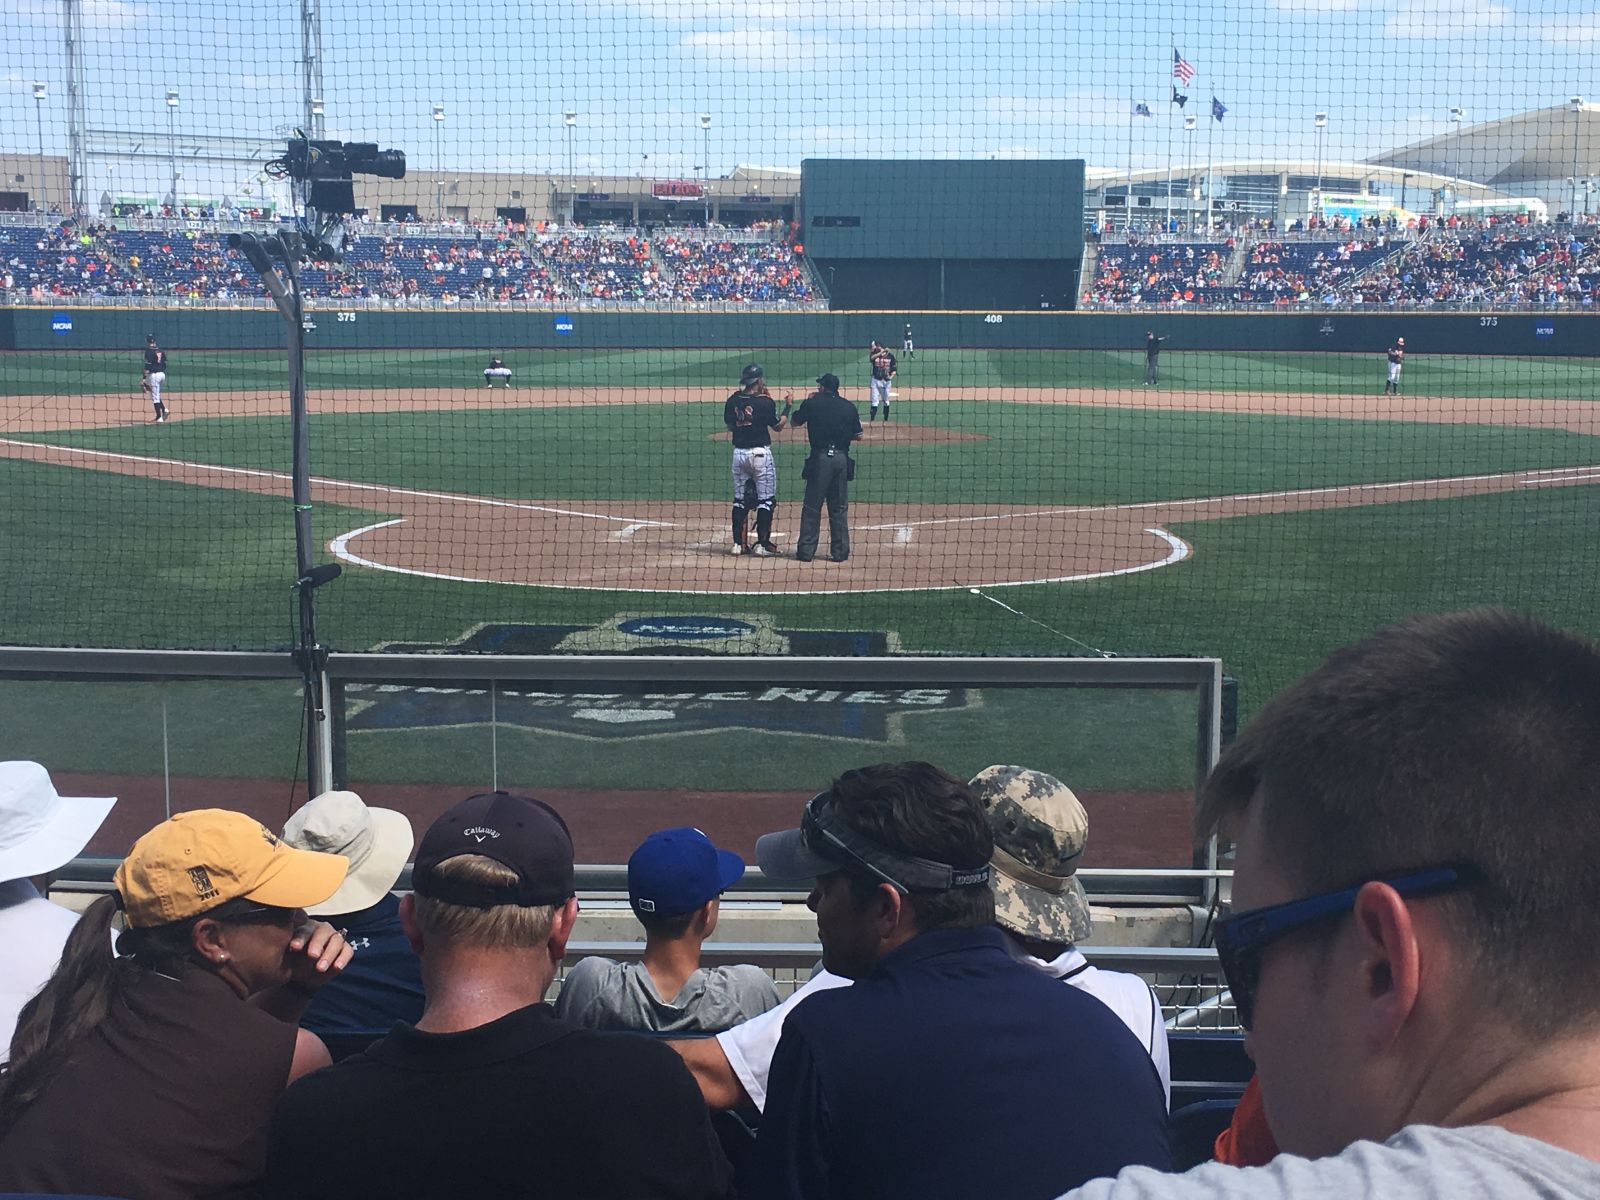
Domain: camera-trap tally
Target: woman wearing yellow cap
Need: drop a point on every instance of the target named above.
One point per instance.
(153, 1073)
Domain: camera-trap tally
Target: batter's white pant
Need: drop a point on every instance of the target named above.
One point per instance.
(908, 347)
(490, 374)
(1394, 374)
(755, 464)
(157, 378)
(880, 391)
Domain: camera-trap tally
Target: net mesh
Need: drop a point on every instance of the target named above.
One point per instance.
(1141, 284)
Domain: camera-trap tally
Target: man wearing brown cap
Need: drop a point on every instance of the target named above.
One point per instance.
(490, 1094)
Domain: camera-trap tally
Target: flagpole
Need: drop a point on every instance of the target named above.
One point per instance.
(1168, 226)
(1209, 157)
(1127, 211)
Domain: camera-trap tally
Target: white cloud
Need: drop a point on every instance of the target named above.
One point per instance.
(1317, 5)
(1443, 19)
(1580, 29)
(837, 14)
(96, 14)
(766, 49)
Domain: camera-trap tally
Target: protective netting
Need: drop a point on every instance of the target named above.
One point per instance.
(1140, 280)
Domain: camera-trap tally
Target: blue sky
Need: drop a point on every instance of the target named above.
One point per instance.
(787, 79)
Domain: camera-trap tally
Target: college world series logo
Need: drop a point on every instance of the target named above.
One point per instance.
(866, 714)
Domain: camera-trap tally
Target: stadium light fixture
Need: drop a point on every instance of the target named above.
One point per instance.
(172, 144)
(705, 128)
(1575, 107)
(40, 92)
(438, 162)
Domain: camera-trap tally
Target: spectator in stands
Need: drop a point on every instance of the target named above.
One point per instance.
(490, 1094)
(1416, 826)
(40, 832)
(675, 879)
(153, 1073)
(1039, 829)
(941, 1070)
(383, 983)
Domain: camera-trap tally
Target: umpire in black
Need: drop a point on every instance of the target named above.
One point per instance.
(832, 423)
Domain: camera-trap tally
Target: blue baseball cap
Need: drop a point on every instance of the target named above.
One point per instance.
(677, 870)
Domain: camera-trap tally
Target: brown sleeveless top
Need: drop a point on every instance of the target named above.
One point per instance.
(169, 1098)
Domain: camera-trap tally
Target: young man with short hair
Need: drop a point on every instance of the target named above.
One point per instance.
(1416, 825)
(490, 1094)
(675, 881)
(944, 1069)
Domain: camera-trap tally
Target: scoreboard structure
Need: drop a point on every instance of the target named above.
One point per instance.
(944, 233)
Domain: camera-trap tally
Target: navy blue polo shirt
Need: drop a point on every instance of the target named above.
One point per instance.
(382, 984)
(954, 1070)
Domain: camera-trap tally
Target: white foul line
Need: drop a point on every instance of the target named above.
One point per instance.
(320, 481)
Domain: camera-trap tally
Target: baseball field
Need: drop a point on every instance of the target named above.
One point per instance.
(1259, 507)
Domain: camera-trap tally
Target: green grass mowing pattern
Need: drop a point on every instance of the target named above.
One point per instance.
(1035, 456)
(718, 370)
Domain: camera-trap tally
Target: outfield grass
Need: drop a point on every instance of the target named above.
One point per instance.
(718, 370)
(1034, 455)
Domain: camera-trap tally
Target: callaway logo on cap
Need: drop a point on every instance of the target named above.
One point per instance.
(518, 832)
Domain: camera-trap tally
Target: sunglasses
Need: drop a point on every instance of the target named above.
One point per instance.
(1242, 938)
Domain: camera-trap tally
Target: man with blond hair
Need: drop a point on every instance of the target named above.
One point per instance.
(490, 1094)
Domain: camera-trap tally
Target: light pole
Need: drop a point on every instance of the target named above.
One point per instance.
(1189, 124)
(438, 162)
(1575, 107)
(1405, 179)
(1456, 117)
(705, 128)
(39, 94)
(172, 143)
(569, 117)
(1320, 124)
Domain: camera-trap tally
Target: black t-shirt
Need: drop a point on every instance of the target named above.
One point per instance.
(830, 420)
(751, 416)
(154, 359)
(524, 1106)
(1396, 355)
(495, 365)
(1152, 345)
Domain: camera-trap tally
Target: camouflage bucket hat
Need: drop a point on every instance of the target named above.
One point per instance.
(1039, 830)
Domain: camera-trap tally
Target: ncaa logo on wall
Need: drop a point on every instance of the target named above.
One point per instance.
(564, 325)
(61, 324)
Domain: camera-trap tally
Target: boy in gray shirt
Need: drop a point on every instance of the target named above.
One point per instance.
(675, 880)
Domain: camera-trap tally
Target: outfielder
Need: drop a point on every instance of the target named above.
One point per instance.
(1397, 361)
(751, 416)
(155, 374)
(496, 369)
(883, 370)
(907, 346)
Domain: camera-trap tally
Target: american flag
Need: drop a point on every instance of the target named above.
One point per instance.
(1182, 70)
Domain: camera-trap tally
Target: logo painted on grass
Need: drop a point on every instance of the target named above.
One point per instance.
(563, 324)
(1544, 329)
(61, 324)
(866, 714)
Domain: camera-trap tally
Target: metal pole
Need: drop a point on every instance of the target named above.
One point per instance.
(311, 65)
(38, 112)
(1127, 204)
(71, 23)
(172, 147)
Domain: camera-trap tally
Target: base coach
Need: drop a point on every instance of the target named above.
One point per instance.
(831, 423)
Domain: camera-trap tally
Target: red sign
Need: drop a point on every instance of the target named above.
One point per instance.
(677, 189)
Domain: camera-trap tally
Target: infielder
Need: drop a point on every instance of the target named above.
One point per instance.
(883, 369)
(907, 346)
(751, 416)
(155, 374)
(496, 369)
(1397, 361)
(1152, 358)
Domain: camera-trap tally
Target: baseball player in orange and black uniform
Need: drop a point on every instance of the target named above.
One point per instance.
(883, 367)
(155, 374)
(1397, 361)
(751, 415)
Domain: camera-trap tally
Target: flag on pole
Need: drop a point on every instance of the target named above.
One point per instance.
(1179, 98)
(1182, 71)
(1141, 109)
(1218, 108)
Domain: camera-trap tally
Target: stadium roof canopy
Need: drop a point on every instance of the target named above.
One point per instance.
(1334, 174)
(1527, 148)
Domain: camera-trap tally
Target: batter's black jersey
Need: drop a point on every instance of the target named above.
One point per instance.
(1397, 356)
(154, 359)
(831, 421)
(883, 363)
(495, 365)
(752, 417)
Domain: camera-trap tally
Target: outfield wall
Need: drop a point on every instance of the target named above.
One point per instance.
(1522, 333)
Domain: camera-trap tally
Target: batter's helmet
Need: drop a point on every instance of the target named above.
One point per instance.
(752, 373)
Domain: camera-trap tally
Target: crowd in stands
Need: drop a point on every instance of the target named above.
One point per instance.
(1413, 910)
(607, 268)
(1139, 274)
(713, 270)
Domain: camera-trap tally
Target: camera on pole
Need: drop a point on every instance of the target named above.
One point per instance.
(326, 170)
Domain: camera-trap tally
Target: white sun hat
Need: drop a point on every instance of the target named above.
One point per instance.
(40, 829)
